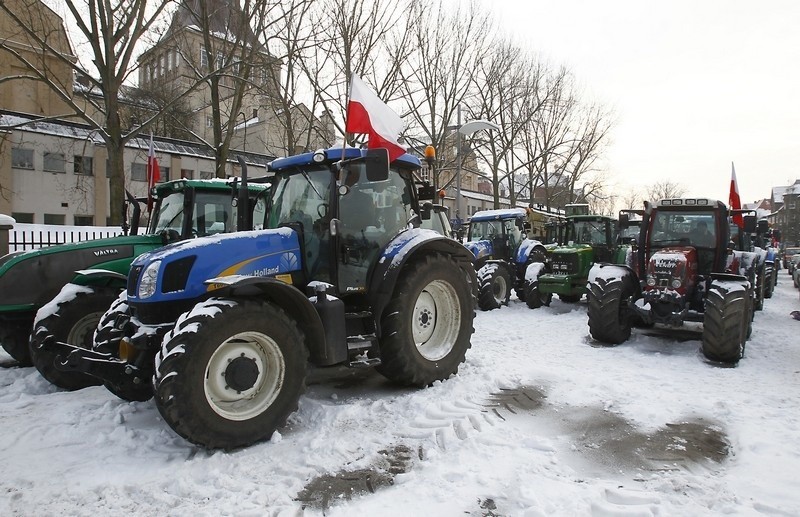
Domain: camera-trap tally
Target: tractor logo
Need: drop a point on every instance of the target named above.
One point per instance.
(103, 253)
(289, 262)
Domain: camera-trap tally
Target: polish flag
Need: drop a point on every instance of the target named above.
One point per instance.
(734, 200)
(367, 114)
(153, 173)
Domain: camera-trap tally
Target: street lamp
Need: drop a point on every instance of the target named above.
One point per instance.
(466, 129)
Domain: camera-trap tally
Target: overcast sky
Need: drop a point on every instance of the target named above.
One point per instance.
(695, 85)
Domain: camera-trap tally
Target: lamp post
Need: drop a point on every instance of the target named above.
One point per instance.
(466, 129)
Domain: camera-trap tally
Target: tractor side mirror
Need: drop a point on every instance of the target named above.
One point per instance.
(763, 227)
(426, 192)
(425, 211)
(749, 223)
(624, 221)
(377, 164)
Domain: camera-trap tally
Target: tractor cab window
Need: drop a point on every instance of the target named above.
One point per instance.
(589, 232)
(371, 213)
(696, 229)
(485, 230)
(168, 214)
(513, 232)
(301, 199)
(212, 214)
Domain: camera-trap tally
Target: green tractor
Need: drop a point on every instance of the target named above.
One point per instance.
(587, 239)
(182, 209)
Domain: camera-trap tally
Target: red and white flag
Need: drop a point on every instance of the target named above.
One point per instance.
(153, 173)
(734, 200)
(367, 114)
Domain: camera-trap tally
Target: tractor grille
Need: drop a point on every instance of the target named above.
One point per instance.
(566, 264)
(176, 274)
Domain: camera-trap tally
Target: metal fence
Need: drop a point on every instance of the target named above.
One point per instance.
(24, 237)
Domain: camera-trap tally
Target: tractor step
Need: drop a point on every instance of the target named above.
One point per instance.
(358, 315)
(364, 363)
(361, 343)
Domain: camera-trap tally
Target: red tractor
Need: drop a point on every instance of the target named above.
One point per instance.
(685, 269)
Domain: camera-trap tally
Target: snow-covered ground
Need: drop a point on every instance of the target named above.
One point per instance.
(539, 421)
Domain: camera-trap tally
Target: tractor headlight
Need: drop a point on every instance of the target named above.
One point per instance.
(148, 280)
(651, 280)
(676, 283)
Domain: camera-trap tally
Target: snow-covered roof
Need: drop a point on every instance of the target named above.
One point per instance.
(23, 122)
(502, 213)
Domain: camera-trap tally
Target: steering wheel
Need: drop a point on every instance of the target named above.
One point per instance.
(169, 235)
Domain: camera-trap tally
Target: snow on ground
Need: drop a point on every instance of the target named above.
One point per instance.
(539, 421)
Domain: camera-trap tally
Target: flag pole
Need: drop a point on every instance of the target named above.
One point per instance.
(346, 115)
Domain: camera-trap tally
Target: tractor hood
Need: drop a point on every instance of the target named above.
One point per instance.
(55, 266)
(178, 271)
(672, 268)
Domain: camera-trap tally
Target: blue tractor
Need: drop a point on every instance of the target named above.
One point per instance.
(504, 258)
(220, 330)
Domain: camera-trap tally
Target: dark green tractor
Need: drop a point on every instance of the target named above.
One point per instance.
(588, 239)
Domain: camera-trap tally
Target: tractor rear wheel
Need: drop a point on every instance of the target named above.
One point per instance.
(71, 317)
(726, 322)
(535, 298)
(494, 283)
(609, 318)
(230, 373)
(429, 342)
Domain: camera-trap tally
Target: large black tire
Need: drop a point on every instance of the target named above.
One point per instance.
(760, 289)
(106, 340)
(609, 317)
(230, 373)
(71, 317)
(726, 322)
(14, 336)
(535, 298)
(427, 325)
(770, 276)
(494, 286)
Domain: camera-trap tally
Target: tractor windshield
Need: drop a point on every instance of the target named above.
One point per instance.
(588, 232)
(685, 228)
(485, 230)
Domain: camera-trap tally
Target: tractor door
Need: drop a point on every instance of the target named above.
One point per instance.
(371, 214)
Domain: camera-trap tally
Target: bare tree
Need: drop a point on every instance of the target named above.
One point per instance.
(664, 189)
(436, 76)
(112, 30)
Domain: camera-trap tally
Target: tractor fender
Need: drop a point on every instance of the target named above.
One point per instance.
(287, 297)
(405, 248)
(528, 247)
(731, 277)
(100, 277)
(621, 271)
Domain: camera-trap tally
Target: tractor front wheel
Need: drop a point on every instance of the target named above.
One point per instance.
(494, 283)
(609, 318)
(726, 322)
(430, 341)
(230, 373)
(71, 317)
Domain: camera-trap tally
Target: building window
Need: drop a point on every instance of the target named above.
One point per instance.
(169, 60)
(163, 174)
(209, 121)
(22, 158)
(138, 172)
(206, 175)
(203, 57)
(54, 219)
(83, 165)
(22, 217)
(83, 220)
(54, 162)
(187, 174)
(791, 206)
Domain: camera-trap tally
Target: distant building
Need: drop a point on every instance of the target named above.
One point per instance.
(785, 216)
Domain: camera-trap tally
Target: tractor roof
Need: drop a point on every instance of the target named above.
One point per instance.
(334, 154)
(494, 215)
(219, 184)
(689, 202)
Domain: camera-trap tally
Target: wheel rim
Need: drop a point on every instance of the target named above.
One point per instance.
(436, 320)
(82, 332)
(256, 362)
(499, 289)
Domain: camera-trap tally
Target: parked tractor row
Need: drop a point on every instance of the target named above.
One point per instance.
(338, 257)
